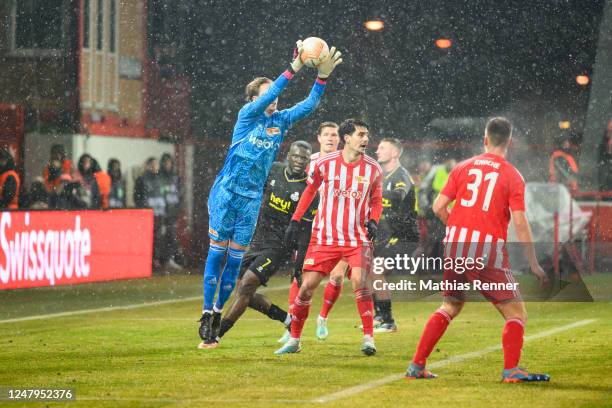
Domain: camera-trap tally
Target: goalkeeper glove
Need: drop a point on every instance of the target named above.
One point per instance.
(297, 59)
(329, 63)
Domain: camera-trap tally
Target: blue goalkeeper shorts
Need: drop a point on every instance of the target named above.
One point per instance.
(231, 216)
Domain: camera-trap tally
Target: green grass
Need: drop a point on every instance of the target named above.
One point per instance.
(148, 357)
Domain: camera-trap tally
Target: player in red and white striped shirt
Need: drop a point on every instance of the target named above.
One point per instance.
(329, 139)
(350, 205)
(486, 190)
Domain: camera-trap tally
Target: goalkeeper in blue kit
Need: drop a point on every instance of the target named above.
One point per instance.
(235, 197)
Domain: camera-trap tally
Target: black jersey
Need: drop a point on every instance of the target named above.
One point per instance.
(281, 195)
(398, 218)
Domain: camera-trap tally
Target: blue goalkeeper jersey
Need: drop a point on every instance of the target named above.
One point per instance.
(257, 137)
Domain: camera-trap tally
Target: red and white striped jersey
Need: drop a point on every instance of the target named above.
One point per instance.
(467, 243)
(350, 194)
(485, 189)
(313, 159)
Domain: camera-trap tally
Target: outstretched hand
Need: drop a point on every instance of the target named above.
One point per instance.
(329, 63)
(297, 63)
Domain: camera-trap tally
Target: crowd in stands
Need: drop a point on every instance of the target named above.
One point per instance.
(64, 186)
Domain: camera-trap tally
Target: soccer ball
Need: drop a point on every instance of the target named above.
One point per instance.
(315, 49)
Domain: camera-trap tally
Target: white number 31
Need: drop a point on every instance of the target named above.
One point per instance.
(474, 187)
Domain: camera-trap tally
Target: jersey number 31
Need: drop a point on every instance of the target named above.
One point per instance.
(490, 178)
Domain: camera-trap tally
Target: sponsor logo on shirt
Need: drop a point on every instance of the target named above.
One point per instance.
(279, 204)
(348, 194)
(265, 144)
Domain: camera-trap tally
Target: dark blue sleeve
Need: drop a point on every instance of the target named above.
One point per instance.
(259, 105)
(304, 108)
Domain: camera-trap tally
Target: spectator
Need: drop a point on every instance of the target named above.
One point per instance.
(67, 195)
(423, 170)
(117, 197)
(604, 163)
(9, 181)
(562, 166)
(171, 190)
(429, 189)
(38, 196)
(52, 171)
(95, 183)
(148, 194)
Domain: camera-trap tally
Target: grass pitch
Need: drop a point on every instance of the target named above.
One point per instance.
(147, 356)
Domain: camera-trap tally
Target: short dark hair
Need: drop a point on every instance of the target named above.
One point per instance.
(59, 150)
(499, 131)
(326, 124)
(110, 164)
(349, 125)
(302, 144)
(252, 88)
(395, 142)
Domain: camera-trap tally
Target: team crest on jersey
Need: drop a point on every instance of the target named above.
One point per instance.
(272, 131)
(272, 183)
(309, 261)
(295, 196)
(362, 180)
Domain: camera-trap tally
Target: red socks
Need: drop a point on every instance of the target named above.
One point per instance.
(293, 292)
(365, 306)
(331, 294)
(512, 342)
(434, 329)
(300, 314)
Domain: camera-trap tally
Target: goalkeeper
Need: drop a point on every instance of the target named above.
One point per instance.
(235, 198)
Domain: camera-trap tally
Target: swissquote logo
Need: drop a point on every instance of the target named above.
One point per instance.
(43, 255)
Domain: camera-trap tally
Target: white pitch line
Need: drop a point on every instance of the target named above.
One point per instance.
(114, 308)
(190, 400)
(454, 359)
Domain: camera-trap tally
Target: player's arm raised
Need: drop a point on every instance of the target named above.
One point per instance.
(304, 108)
(523, 234)
(258, 106)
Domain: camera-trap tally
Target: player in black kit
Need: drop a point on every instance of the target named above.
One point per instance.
(397, 229)
(268, 251)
